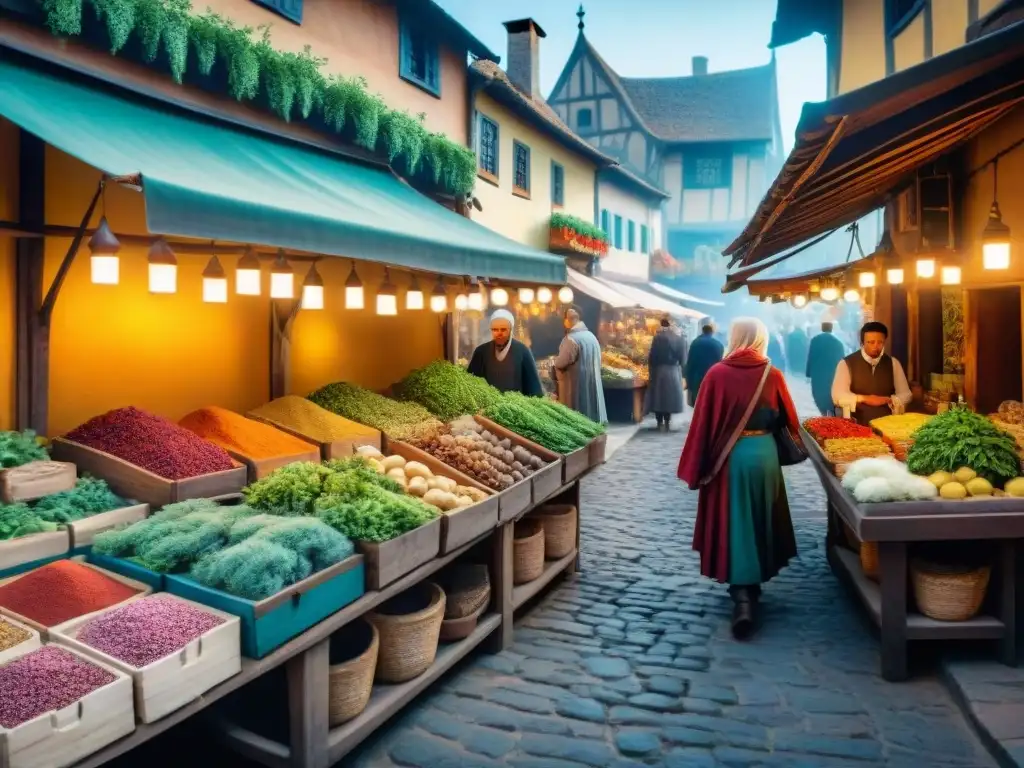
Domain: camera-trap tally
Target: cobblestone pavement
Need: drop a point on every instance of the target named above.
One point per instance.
(631, 662)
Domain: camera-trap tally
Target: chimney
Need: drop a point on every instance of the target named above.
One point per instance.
(700, 65)
(524, 55)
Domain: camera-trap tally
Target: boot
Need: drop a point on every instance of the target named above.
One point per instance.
(668, 423)
(743, 612)
(661, 421)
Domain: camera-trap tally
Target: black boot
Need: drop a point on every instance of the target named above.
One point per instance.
(660, 419)
(668, 423)
(743, 617)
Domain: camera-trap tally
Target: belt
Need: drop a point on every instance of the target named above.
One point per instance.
(753, 432)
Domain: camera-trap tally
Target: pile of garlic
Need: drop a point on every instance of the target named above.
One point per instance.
(417, 480)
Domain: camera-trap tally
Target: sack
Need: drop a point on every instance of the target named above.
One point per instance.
(790, 451)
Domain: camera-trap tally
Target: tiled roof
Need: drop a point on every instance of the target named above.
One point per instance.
(496, 79)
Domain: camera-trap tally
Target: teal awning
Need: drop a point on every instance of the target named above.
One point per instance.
(213, 182)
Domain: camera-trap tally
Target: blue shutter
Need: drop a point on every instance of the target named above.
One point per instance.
(290, 9)
(606, 223)
(618, 232)
(631, 237)
(644, 245)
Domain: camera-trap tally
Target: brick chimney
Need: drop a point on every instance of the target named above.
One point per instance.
(523, 63)
(700, 65)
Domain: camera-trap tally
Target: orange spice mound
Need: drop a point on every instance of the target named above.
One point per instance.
(246, 437)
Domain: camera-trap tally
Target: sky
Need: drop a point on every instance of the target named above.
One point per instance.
(658, 38)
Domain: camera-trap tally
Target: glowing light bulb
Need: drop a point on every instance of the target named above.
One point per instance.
(526, 295)
(163, 268)
(894, 276)
(499, 297)
(461, 302)
(926, 268)
(829, 293)
(313, 290)
(866, 279)
(105, 266)
(851, 295)
(215, 283)
(247, 274)
(565, 295)
(799, 301)
(950, 276)
(544, 295)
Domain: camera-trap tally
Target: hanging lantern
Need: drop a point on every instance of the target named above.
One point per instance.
(354, 296)
(462, 302)
(950, 275)
(414, 296)
(313, 290)
(851, 295)
(829, 293)
(215, 283)
(526, 295)
(565, 295)
(499, 297)
(544, 295)
(926, 268)
(282, 278)
(439, 297)
(894, 276)
(104, 262)
(163, 268)
(477, 299)
(247, 274)
(799, 301)
(866, 279)
(387, 297)
(995, 238)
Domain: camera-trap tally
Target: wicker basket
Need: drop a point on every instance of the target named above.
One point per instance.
(460, 629)
(948, 593)
(528, 558)
(467, 588)
(559, 521)
(409, 626)
(353, 660)
(868, 551)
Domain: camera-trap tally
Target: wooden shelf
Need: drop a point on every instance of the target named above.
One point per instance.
(525, 592)
(919, 627)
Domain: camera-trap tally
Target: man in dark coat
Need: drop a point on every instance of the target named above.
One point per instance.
(504, 362)
(824, 354)
(665, 365)
(796, 350)
(705, 351)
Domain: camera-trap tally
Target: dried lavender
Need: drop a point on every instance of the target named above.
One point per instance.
(45, 680)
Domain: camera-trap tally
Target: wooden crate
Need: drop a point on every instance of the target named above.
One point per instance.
(65, 736)
(36, 547)
(84, 531)
(26, 646)
(35, 480)
(268, 624)
(44, 632)
(459, 526)
(338, 449)
(126, 567)
(598, 449)
(257, 469)
(134, 482)
(388, 561)
(172, 682)
(543, 482)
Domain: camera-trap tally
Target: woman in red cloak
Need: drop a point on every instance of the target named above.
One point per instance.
(743, 531)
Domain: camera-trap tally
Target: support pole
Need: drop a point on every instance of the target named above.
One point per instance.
(33, 338)
(282, 319)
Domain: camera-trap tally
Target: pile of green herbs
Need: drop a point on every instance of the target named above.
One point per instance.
(291, 84)
(579, 226)
(18, 448)
(961, 438)
(89, 497)
(399, 420)
(543, 421)
(447, 390)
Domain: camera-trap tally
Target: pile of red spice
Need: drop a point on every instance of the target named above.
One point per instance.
(153, 443)
(62, 591)
(832, 427)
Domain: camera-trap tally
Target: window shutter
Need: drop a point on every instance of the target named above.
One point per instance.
(290, 9)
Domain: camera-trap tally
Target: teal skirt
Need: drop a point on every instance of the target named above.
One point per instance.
(760, 531)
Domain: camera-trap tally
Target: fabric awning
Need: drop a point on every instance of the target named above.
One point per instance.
(672, 293)
(854, 150)
(650, 301)
(210, 181)
(595, 289)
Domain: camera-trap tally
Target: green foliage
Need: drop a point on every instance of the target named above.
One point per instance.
(90, 496)
(396, 419)
(290, 490)
(578, 225)
(17, 448)
(543, 422)
(447, 390)
(962, 438)
(360, 508)
(291, 82)
(19, 520)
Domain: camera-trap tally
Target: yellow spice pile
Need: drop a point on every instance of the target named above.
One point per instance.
(309, 419)
(11, 635)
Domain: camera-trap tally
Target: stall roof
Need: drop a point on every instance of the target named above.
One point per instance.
(854, 150)
(800, 280)
(595, 289)
(206, 180)
(672, 293)
(645, 300)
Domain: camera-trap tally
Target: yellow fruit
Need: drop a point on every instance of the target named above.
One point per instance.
(1015, 487)
(979, 486)
(939, 479)
(953, 491)
(965, 474)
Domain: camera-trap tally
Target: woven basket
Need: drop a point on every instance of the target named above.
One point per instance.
(409, 626)
(559, 521)
(528, 558)
(354, 657)
(869, 559)
(948, 593)
(467, 588)
(460, 629)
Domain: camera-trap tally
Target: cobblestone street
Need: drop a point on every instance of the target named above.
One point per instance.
(632, 663)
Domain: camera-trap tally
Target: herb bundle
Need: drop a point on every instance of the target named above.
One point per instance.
(961, 438)
(548, 424)
(399, 420)
(447, 390)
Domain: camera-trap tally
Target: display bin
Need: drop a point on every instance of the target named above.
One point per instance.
(257, 469)
(462, 525)
(127, 568)
(268, 624)
(388, 561)
(172, 682)
(338, 449)
(598, 449)
(84, 531)
(26, 483)
(63, 737)
(25, 646)
(134, 482)
(543, 483)
(44, 632)
(27, 552)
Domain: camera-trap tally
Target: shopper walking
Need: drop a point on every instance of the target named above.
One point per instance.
(741, 422)
(665, 365)
(825, 353)
(578, 369)
(796, 349)
(705, 351)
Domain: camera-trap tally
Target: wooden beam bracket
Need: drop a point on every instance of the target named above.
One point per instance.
(46, 310)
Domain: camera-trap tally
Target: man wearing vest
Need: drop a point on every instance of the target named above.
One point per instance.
(869, 383)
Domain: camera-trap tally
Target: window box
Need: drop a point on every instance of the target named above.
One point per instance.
(572, 234)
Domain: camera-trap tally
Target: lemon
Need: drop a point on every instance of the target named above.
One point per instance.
(939, 479)
(953, 490)
(964, 475)
(1015, 487)
(979, 486)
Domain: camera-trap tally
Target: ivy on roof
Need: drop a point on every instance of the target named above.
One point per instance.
(291, 85)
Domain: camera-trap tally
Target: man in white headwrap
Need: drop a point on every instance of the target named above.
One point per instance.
(504, 362)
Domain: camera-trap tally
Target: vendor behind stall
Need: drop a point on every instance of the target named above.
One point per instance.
(869, 383)
(505, 363)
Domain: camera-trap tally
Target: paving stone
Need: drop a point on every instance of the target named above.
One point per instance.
(637, 743)
(670, 686)
(860, 749)
(690, 758)
(658, 702)
(589, 753)
(421, 751)
(582, 709)
(608, 668)
(486, 741)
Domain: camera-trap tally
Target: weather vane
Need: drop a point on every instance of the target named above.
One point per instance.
(580, 14)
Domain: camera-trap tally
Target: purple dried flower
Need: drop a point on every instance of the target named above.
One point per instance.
(45, 680)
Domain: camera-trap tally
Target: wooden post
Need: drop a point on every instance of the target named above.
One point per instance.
(1008, 600)
(502, 544)
(33, 336)
(308, 706)
(892, 576)
(282, 319)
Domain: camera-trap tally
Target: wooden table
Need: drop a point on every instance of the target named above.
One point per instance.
(627, 397)
(895, 524)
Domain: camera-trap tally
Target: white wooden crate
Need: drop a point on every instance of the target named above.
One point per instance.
(35, 546)
(172, 682)
(26, 646)
(63, 737)
(84, 531)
